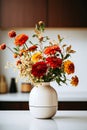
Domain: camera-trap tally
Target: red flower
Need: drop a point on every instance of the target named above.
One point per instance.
(54, 62)
(2, 46)
(32, 48)
(21, 39)
(52, 50)
(39, 69)
(12, 34)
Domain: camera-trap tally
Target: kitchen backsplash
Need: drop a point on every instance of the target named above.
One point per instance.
(77, 37)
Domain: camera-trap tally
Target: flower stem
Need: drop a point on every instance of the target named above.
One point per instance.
(26, 45)
(10, 49)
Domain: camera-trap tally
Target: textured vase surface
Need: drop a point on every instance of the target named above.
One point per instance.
(43, 101)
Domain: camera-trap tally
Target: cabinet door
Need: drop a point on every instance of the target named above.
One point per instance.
(22, 13)
(67, 13)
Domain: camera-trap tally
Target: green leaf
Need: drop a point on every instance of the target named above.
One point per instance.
(16, 53)
(31, 42)
(16, 49)
(67, 55)
(34, 35)
(58, 81)
(61, 39)
(41, 27)
(61, 55)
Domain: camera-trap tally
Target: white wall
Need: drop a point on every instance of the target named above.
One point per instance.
(76, 37)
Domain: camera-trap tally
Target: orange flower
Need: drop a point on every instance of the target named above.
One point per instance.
(12, 34)
(52, 50)
(21, 39)
(69, 67)
(74, 81)
(2, 46)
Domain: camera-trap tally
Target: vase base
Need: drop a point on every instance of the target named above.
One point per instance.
(45, 112)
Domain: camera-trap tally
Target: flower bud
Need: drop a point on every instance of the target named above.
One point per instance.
(15, 55)
(2, 46)
(40, 22)
(41, 38)
(18, 62)
(12, 34)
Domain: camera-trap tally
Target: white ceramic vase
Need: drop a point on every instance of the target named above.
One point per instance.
(43, 101)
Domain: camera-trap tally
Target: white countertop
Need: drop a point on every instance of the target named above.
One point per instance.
(63, 120)
(62, 96)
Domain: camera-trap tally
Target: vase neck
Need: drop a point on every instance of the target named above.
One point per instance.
(43, 84)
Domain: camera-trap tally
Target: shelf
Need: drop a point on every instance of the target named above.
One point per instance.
(66, 101)
(62, 96)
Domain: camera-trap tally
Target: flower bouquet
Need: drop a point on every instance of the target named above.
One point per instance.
(44, 61)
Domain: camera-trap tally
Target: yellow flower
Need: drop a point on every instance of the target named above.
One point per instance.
(69, 67)
(36, 57)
